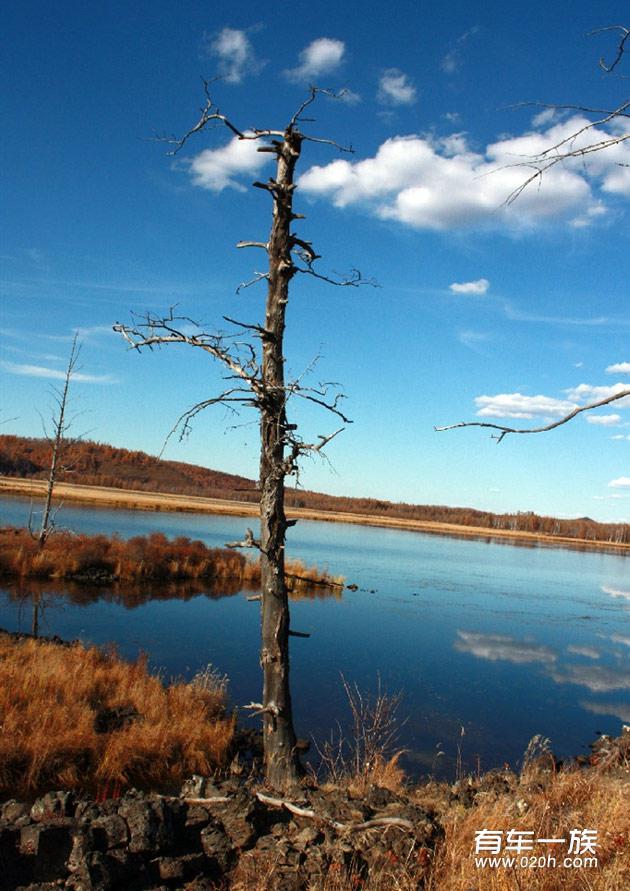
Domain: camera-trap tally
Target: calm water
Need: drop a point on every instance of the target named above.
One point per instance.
(504, 641)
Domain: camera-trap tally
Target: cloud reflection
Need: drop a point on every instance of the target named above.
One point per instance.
(499, 647)
(596, 677)
(619, 710)
(589, 652)
(616, 592)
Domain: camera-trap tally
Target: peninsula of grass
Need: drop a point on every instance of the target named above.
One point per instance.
(102, 558)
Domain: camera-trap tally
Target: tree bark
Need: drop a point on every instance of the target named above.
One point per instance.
(282, 766)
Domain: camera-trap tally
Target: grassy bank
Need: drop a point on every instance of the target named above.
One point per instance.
(160, 501)
(142, 558)
(80, 718)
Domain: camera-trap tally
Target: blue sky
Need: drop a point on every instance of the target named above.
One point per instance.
(510, 314)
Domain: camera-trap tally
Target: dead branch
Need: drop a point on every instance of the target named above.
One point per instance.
(248, 542)
(503, 431)
(621, 46)
(310, 814)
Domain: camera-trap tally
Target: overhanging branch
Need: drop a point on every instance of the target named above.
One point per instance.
(503, 430)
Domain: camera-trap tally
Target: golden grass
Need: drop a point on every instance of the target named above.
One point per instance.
(50, 696)
(142, 558)
(575, 799)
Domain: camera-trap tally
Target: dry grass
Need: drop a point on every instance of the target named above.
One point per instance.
(50, 696)
(575, 799)
(142, 558)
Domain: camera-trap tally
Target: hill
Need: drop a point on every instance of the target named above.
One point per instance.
(99, 464)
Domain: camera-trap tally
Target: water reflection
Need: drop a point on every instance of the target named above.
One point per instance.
(498, 647)
(619, 710)
(598, 678)
(42, 594)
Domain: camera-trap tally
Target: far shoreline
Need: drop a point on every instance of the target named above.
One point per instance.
(134, 499)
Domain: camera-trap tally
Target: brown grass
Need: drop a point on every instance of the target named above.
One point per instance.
(142, 558)
(575, 799)
(50, 696)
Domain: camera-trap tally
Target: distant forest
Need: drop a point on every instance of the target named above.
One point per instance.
(97, 464)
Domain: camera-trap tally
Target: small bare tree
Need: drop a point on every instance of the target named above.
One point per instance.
(254, 361)
(60, 426)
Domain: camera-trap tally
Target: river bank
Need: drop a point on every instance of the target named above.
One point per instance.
(363, 827)
(157, 501)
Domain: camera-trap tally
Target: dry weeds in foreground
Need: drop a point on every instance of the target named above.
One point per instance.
(50, 696)
(575, 799)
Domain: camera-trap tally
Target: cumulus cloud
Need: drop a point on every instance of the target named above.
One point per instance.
(235, 54)
(516, 405)
(218, 169)
(604, 420)
(321, 56)
(588, 393)
(499, 647)
(477, 287)
(56, 375)
(622, 482)
(619, 368)
(395, 88)
(428, 182)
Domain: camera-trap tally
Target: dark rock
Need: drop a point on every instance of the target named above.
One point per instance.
(12, 869)
(110, 831)
(217, 847)
(48, 848)
(171, 869)
(52, 806)
(12, 810)
(148, 822)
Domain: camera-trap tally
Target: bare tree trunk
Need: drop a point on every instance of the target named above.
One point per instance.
(281, 760)
(59, 427)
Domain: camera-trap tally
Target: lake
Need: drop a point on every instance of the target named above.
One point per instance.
(501, 640)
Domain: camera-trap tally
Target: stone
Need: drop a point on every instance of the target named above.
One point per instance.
(52, 806)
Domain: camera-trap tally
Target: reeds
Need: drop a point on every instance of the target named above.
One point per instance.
(51, 697)
(142, 558)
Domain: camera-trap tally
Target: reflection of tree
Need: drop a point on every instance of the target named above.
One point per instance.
(131, 596)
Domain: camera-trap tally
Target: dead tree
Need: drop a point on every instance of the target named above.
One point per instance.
(254, 362)
(61, 424)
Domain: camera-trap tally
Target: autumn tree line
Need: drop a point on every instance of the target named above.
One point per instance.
(98, 464)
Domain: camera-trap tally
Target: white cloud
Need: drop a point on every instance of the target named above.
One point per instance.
(471, 339)
(586, 393)
(621, 436)
(235, 54)
(619, 368)
(622, 482)
(218, 169)
(477, 287)
(321, 56)
(452, 61)
(515, 405)
(56, 375)
(604, 420)
(395, 88)
(544, 117)
(430, 183)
